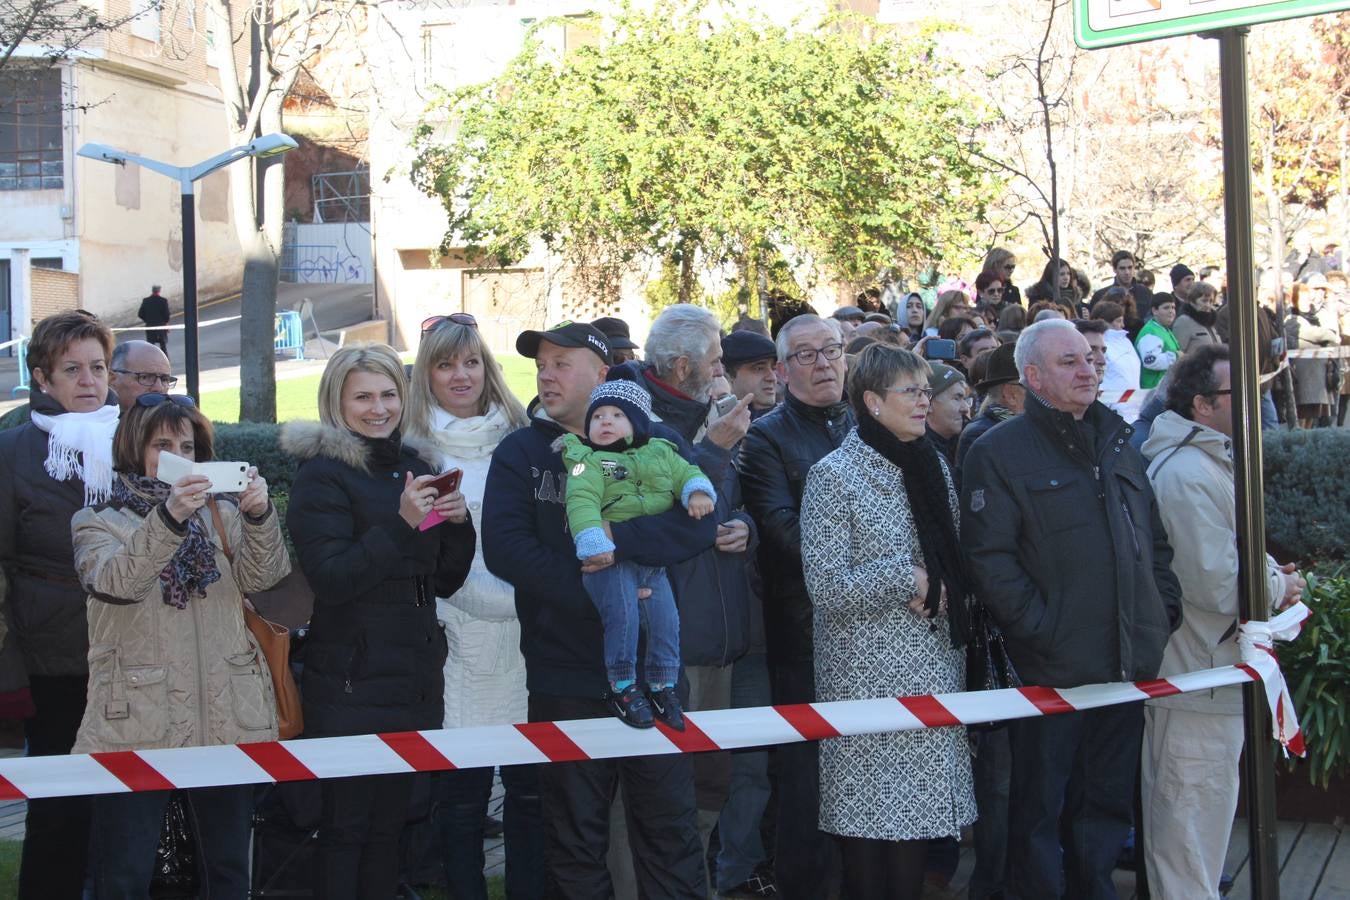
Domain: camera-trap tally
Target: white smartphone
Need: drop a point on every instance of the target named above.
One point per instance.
(226, 477)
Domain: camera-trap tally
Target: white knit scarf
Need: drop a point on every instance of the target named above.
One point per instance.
(470, 438)
(79, 445)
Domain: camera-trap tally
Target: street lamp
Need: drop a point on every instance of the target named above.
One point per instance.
(186, 176)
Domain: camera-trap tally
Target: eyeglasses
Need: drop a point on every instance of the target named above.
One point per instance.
(808, 357)
(155, 399)
(1008, 267)
(912, 393)
(149, 379)
(434, 322)
(993, 290)
(1218, 393)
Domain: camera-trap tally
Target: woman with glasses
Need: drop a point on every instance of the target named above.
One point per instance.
(58, 462)
(991, 296)
(1000, 263)
(888, 591)
(459, 403)
(950, 305)
(171, 662)
(373, 659)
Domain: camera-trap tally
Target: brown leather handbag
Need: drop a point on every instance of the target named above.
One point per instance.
(275, 642)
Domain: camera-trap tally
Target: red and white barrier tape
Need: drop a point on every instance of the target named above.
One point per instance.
(544, 742)
(1125, 398)
(1342, 352)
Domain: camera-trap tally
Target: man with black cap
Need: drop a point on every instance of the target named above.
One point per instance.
(526, 543)
(748, 359)
(1182, 279)
(621, 346)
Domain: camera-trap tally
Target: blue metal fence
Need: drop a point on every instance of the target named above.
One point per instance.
(290, 334)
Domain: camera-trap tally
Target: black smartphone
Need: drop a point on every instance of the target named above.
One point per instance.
(937, 348)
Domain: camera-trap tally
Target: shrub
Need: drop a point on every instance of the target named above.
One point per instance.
(1317, 668)
(1307, 494)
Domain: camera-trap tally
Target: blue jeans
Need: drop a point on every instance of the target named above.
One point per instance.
(1076, 770)
(738, 828)
(461, 804)
(126, 832)
(614, 591)
(1270, 420)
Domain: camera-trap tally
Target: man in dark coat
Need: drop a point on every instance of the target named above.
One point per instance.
(1068, 553)
(155, 311)
(526, 543)
(778, 452)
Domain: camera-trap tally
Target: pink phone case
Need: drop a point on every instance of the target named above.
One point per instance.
(431, 521)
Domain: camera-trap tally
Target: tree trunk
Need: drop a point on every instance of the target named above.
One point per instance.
(686, 291)
(257, 329)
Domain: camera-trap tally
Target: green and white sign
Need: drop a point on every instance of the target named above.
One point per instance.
(1108, 23)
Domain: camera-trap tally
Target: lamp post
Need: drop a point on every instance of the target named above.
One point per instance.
(187, 176)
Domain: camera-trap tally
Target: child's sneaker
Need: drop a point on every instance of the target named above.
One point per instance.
(666, 703)
(630, 706)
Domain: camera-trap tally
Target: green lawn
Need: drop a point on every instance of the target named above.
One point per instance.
(297, 398)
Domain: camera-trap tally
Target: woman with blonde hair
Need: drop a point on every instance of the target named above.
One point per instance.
(458, 402)
(949, 304)
(1001, 263)
(373, 659)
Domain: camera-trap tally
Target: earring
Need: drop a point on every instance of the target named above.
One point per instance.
(876, 411)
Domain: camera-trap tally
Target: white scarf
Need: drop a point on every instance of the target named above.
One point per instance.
(79, 445)
(471, 438)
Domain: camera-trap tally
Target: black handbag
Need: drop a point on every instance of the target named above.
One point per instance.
(175, 874)
(988, 667)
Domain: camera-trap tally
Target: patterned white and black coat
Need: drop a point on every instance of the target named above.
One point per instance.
(859, 547)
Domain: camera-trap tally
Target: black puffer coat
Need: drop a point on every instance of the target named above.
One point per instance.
(46, 602)
(775, 458)
(375, 650)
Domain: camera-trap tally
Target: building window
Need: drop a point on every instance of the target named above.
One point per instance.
(31, 142)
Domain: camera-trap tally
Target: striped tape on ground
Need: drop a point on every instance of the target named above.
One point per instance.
(607, 738)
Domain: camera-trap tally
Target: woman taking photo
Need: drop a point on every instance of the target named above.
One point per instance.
(884, 571)
(49, 468)
(171, 663)
(459, 403)
(375, 650)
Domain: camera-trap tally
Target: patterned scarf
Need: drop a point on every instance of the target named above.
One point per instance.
(192, 569)
(930, 508)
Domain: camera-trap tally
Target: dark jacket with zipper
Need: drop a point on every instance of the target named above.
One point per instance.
(777, 454)
(713, 589)
(1067, 549)
(46, 602)
(526, 543)
(375, 650)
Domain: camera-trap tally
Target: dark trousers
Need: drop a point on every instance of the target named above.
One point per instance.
(806, 859)
(658, 797)
(993, 774)
(56, 835)
(461, 804)
(127, 829)
(159, 338)
(1080, 767)
(359, 829)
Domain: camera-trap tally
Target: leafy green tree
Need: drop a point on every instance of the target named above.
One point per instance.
(720, 143)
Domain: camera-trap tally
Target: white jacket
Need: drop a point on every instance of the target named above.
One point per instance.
(484, 671)
(1122, 371)
(1191, 468)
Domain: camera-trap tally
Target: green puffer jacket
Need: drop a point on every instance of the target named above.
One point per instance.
(618, 485)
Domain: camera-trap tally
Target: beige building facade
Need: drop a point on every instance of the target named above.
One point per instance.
(149, 88)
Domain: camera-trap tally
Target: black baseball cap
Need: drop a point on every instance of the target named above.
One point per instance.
(566, 334)
(616, 330)
(747, 346)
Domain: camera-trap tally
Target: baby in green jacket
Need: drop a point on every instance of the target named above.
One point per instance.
(619, 473)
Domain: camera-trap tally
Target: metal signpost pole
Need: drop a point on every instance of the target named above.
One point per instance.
(190, 337)
(1259, 765)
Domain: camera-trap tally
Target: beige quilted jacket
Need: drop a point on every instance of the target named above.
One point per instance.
(166, 677)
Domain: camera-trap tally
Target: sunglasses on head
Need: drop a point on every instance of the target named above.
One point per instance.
(459, 318)
(155, 399)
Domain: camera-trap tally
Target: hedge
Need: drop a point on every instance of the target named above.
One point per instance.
(259, 444)
(1307, 489)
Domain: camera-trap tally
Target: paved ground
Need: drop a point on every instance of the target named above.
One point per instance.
(335, 306)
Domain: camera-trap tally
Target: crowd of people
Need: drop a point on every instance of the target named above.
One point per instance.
(827, 508)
